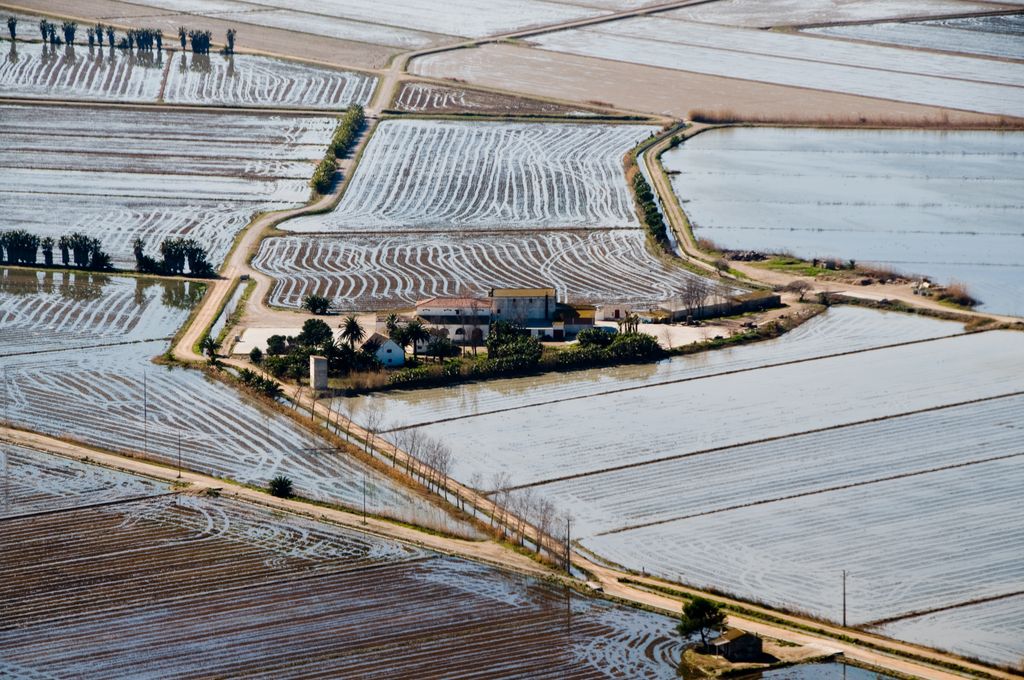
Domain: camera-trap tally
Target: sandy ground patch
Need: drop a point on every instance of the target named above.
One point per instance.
(675, 93)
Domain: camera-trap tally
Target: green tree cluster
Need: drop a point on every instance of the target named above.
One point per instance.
(652, 216)
(20, 247)
(174, 253)
(701, 616)
(257, 382)
(289, 356)
(344, 137)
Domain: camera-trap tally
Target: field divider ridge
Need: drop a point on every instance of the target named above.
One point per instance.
(88, 506)
(765, 440)
(80, 348)
(936, 610)
(813, 492)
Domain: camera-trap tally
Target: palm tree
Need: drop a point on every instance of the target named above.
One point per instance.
(416, 332)
(352, 332)
(210, 347)
(47, 244)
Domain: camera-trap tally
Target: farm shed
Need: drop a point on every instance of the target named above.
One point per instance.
(737, 645)
(525, 305)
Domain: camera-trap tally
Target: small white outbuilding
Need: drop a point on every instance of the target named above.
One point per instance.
(387, 351)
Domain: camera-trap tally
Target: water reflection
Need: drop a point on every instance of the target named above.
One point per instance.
(91, 285)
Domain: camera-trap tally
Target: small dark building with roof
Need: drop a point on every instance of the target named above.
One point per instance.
(736, 645)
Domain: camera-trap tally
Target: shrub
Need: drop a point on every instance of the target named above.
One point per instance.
(317, 304)
(256, 356)
(281, 487)
(595, 336)
(957, 293)
(632, 346)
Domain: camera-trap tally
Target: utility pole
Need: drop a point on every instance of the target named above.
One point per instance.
(7, 399)
(5, 454)
(844, 598)
(364, 498)
(179, 454)
(145, 415)
(568, 544)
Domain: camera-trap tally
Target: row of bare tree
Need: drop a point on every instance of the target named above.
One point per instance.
(522, 515)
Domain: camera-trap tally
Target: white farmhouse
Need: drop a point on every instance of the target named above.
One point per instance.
(387, 351)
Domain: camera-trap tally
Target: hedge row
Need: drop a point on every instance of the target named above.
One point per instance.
(652, 216)
(345, 135)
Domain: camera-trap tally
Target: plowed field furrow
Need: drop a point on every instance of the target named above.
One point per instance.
(456, 176)
(152, 175)
(193, 585)
(37, 70)
(100, 393)
(361, 272)
(35, 482)
(259, 81)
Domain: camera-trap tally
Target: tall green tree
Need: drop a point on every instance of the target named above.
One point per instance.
(415, 333)
(701, 616)
(315, 333)
(352, 331)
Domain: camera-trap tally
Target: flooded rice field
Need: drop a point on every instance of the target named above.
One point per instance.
(993, 630)
(909, 544)
(800, 60)
(764, 478)
(32, 482)
(818, 671)
(373, 271)
(943, 204)
(457, 176)
(114, 397)
(78, 72)
(370, 607)
(733, 408)
(839, 329)
(989, 36)
(42, 311)
(152, 175)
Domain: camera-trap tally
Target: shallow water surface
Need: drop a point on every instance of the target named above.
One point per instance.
(949, 205)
